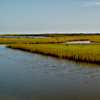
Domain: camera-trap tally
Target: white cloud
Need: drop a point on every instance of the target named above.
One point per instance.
(92, 4)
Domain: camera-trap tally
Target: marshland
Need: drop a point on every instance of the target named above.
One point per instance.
(68, 72)
(58, 45)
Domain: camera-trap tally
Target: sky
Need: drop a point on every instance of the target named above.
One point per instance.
(49, 16)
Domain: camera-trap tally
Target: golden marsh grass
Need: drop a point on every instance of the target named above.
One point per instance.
(53, 46)
(87, 53)
(53, 40)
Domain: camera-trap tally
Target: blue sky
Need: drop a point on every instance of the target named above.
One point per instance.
(49, 16)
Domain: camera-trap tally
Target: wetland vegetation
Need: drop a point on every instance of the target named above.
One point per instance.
(83, 52)
(56, 46)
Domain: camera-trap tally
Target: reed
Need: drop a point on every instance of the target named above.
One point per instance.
(87, 53)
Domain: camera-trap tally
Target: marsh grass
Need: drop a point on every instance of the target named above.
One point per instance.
(26, 40)
(53, 46)
(87, 53)
(52, 40)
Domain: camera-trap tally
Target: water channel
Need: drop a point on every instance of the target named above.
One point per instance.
(25, 36)
(75, 42)
(27, 76)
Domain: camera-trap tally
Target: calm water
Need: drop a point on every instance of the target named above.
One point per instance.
(27, 76)
(26, 36)
(78, 42)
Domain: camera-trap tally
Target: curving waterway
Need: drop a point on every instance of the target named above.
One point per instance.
(27, 76)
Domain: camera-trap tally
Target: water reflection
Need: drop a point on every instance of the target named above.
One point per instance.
(78, 42)
(26, 76)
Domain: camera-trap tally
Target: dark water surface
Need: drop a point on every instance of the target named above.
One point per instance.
(25, 36)
(27, 76)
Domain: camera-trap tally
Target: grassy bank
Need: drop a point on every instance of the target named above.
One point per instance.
(53, 40)
(87, 53)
